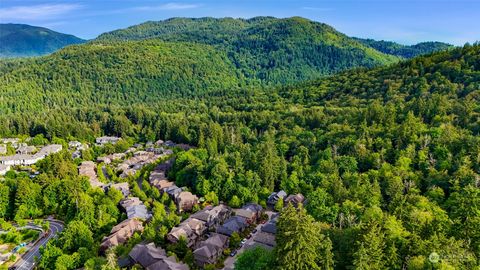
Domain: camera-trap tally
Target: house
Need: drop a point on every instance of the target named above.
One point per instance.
(4, 169)
(88, 169)
(153, 258)
(26, 150)
(251, 212)
(185, 201)
(106, 139)
(74, 144)
(190, 229)
(172, 191)
(169, 144)
(76, 154)
(233, 224)
(275, 197)
(130, 201)
(121, 233)
(48, 150)
(105, 160)
(213, 216)
(295, 200)
(138, 212)
(210, 250)
(266, 236)
(162, 185)
(122, 187)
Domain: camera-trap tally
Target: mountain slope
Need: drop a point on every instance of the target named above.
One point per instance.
(21, 40)
(405, 51)
(265, 48)
(119, 73)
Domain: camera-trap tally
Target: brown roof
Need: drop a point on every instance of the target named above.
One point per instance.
(121, 233)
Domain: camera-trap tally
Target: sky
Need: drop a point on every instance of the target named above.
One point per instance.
(404, 21)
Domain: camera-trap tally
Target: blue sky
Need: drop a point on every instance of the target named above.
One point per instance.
(404, 21)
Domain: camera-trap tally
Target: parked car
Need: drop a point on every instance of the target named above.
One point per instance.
(233, 253)
(244, 240)
(254, 231)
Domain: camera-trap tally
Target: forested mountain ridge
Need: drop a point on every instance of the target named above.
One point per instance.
(119, 73)
(266, 48)
(21, 40)
(405, 51)
(388, 158)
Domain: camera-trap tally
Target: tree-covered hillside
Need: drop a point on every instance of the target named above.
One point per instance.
(120, 73)
(388, 158)
(21, 40)
(405, 51)
(266, 48)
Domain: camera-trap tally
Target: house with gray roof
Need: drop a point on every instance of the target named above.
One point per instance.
(213, 216)
(138, 211)
(210, 250)
(233, 224)
(153, 258)
(275, 197)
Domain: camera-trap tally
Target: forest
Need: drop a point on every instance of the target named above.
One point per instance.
(388, 158)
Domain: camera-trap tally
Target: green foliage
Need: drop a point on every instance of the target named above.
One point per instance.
(255, 259)
(300, 242)
(405, 51)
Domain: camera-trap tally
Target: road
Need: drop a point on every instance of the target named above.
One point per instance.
(28, 259)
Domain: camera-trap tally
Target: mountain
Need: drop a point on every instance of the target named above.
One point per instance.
(117, 73)
(21, 40)
(405, 51)
(268, 49)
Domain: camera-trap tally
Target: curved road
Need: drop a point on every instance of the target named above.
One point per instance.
(27, 262)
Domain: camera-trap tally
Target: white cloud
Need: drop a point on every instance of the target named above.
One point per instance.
(169, 6)
(36, 12)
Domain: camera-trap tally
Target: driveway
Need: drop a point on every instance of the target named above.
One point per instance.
(27, 262)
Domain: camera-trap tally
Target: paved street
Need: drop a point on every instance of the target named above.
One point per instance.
(27, 262)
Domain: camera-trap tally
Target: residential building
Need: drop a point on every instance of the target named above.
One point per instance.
(88, 169)
(26, 150)
(173, 191)
(121, 233)
(251, 212)
(130, 201)
(138, 212)
(267, 233)
(275, 197)
(153, 258)
(233, 224)
(213, 216)
(295, 200)
(107, 139)
(185, 201)
(190, 229)
(124, 188)
(210, 250)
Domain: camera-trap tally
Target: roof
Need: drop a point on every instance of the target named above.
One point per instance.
(265, 238)
(186, 196)
(138, 211)
(253, 207)
(297, 198)
(233, 224)
(246, 213)
(146, 255)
